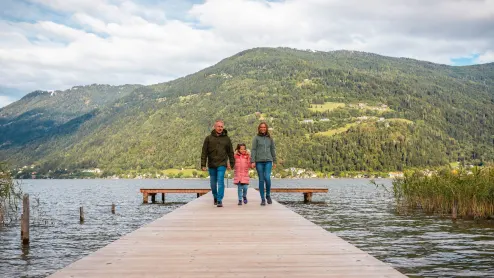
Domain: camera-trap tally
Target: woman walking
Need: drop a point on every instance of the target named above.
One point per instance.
(263, 157)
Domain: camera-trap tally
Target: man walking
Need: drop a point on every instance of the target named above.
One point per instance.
(217, 150)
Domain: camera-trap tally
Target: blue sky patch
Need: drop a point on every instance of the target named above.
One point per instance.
(466, 60)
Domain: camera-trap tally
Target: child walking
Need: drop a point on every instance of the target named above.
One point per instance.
(241, 179)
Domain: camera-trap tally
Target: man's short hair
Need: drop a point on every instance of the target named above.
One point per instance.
(219, 121)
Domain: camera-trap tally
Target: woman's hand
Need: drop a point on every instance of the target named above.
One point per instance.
(252, 165)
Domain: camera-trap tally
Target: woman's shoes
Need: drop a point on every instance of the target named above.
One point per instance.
(239, 202)
(263, 202)
(245, 200)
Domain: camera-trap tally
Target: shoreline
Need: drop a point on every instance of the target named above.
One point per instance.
(311, 178)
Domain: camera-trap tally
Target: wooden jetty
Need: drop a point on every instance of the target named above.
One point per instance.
(146, 192)
(202, 240)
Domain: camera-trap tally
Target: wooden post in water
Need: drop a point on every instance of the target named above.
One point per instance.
(163, 197)
(145, 198)
(81, 214)
(454, 211)
(113, 208)
(25, 220)
(1, 216)
(22, 225)
(153, 198)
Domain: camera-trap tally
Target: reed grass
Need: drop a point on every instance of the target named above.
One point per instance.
(10, 196)
(469, 192)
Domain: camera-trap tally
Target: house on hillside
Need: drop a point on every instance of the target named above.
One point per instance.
(396, 175)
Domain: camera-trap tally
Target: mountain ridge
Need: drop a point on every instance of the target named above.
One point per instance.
(446, 110)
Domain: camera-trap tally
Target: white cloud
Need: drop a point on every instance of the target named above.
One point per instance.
(5, 100)
(123, 41)
(487, 57)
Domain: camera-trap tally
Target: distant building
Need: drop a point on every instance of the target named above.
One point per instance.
(95, 170)
(396, 174)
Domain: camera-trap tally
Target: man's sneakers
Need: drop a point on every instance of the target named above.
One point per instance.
(215, 201)
(269, 200)
(245, 200)
(239, 202)
(220, 204)
(263, 202)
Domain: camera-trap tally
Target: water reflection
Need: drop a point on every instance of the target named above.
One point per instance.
(418, 245)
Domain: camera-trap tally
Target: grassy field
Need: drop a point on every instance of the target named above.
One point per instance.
(186, 173)
(454, 165)
(327, 106)
(400, 120)
(332, 132)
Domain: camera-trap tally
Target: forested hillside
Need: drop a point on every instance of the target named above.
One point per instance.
(329, 111)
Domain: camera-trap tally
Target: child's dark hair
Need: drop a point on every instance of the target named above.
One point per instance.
(240, 145)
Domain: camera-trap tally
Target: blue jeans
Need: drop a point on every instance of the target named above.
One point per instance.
(242, 191)
(264, 173)
(217, 176)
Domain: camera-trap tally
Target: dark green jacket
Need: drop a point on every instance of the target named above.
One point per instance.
(217, 150)
(263, 149)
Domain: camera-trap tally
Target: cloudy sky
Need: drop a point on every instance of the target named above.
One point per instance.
(56, 44)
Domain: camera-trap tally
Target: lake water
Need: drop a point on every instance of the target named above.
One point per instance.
(418, 245)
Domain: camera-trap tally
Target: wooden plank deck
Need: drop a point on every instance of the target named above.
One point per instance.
(201, 240)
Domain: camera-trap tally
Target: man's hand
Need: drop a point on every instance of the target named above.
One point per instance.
(274, 166)
(228, 167)
(204, 169)
(252, 165)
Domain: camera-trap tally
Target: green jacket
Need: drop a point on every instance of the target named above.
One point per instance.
(217, 150)
(263, 149)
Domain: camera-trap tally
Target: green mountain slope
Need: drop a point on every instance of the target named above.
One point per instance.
(40, 113)
(330, 111)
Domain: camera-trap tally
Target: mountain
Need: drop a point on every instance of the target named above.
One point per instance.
(329, 111)
(39, 113)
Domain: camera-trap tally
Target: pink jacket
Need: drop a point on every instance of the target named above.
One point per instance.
(242, 165)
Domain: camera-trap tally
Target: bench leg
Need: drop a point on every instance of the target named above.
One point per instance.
(163, 197)
(144, 198)
(307, 197)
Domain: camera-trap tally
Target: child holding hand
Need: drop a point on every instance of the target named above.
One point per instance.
(241, 179)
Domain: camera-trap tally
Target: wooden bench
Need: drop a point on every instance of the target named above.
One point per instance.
(307, 191)
(146, 192)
